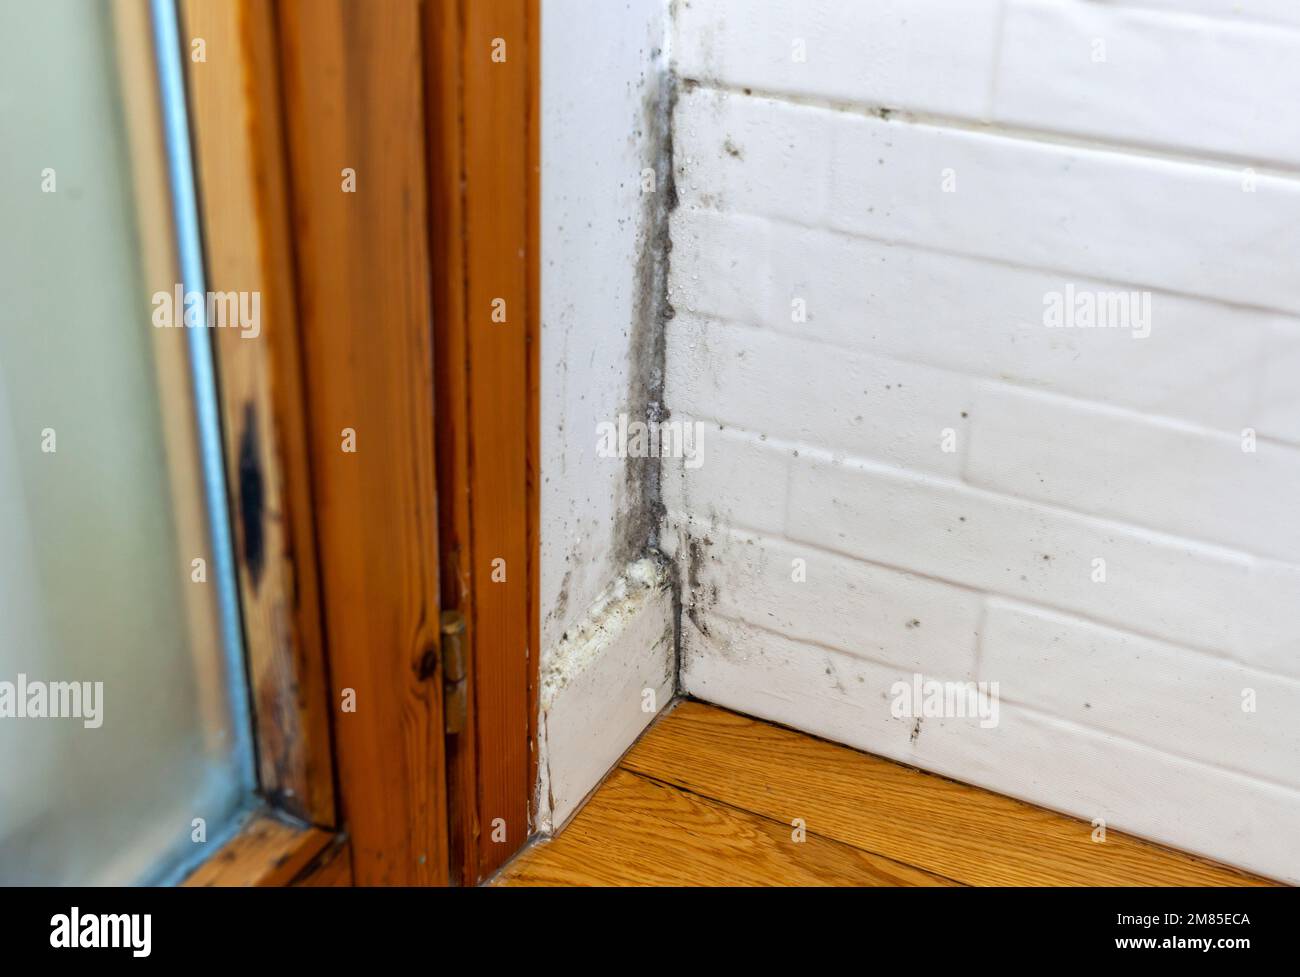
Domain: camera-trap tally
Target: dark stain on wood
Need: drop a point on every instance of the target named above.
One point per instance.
(252, 497)
(427, 667)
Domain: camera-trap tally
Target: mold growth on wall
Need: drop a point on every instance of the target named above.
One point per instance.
(603, 272)
(636, 529)
(607, 601)
(611, 674)
(603, 622)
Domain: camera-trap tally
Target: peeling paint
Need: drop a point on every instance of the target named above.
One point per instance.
(593, 692)
(588, 638)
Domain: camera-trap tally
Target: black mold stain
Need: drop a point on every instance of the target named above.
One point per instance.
(641, 513)
(562, 598)
(252, 497)
(694, 564)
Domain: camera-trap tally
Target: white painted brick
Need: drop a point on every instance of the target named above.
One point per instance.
(1192, 806)
(1265, 624)
(924, 55)
(1180, 83)
(1183, 591)
(789, 388)
(1277, 410)
(1034, 757)
(740, 480)
(1090, 212)
(1202, 360)
(1087, 212)
(1167, 697)
(863, 610)
(1172, 477)
(813, 688)
(1283, 12)
(719, 264)
(820, 197)
(1179, 590)
(771, 162)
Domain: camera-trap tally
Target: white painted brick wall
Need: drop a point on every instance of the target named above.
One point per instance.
(1206, 87)
(884, 179)
(868, 405)
(1283, 12)
(1187, 703)
(1213, 74)
(931, 56)
(999, 333)
(738, 481)
(1031, 754)
(1118, 464)
(845, 315)
(854, 607)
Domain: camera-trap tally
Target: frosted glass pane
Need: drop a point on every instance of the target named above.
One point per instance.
(95, 572)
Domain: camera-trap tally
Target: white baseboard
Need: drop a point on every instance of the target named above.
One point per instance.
(602, 685)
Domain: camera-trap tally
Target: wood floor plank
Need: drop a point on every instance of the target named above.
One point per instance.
(954, 830)
(636, 831)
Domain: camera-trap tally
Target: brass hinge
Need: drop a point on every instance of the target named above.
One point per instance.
(454, 671)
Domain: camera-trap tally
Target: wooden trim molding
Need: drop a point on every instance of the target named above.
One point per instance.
(371, 172)
(533, 396)
(482, 134)
(330, 869)
(442, 41)
(267, 852)
(238, 151)
(353, 102)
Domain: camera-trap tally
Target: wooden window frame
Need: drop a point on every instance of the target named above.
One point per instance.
(280, 839)
(484, 151)
(238, 155)
(377, 315)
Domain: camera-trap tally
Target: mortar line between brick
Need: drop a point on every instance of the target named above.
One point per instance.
(1004, 130)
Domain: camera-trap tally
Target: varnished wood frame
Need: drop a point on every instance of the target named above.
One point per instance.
(236, 154)
(290, 95)
(353, 101)
(268, 852)
(238, 144)
(270, 144)
(483, 138)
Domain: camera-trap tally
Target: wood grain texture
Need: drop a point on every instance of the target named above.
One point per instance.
(481, 84)
(267, 852)
(954, 830)
(353, 96)
(238, 144)
(332, 868)
(496, 222)
(636, 831)
(533, 395)
(443, 41)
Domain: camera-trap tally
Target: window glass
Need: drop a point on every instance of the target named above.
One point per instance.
(101, 508)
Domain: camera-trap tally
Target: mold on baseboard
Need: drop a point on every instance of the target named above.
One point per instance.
(605, 681)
